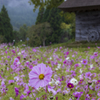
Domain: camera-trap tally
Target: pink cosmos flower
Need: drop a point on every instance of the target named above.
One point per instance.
(34, 50)
(11, 81)
(95, 54)
(84, 61)
(21, 97)
(18, 57)
(76, 65)
(6, 52)
(16, 60)
(67, 53)
(88, 75)
(98, 81)
(40, 76)
(30, 66)
(13, 51)
(92, 57)
(98, 93)
(16, 91)
(77, 94)
(60, 48)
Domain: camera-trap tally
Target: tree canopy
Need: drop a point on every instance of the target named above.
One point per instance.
(45, 3)
(6, 27)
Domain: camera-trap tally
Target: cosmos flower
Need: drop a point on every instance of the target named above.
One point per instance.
(16, 91)
(77, 95)
(21, 97)
(84, 62)
(98, 93)
(98, 81)
(13, 51)
(81, 81)
(95, 54)
(88, 75)
(74, 81)
(11, 81)
(16, 60)
(65, 62)
(19, 53)
(67, 53)
(34, 50)
(76, 65)
(18, 57)
(70, 85)
(40, 75)
(98, 99)
(92, 57)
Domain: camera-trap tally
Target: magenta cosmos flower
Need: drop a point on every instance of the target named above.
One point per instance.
(70, 85)
(40, 76)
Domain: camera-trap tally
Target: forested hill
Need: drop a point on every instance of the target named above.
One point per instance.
(20, 12)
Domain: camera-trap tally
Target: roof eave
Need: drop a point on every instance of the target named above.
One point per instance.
(74, 9)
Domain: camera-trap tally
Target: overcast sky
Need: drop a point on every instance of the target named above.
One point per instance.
(16, 3)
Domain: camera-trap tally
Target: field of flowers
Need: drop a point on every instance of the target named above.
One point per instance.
(49, 73)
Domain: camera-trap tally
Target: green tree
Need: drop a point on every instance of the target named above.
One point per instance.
(8, 30)
(46, 15)
(23, 32)
(55, 20)
(39, 33)
(45, 3)
(34, 39)
(44, 30)
(39, 18)
(16, 36)
(69, 19)
(1, 26)
(66, 32)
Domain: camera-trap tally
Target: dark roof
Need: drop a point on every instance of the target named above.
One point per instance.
(75, 5)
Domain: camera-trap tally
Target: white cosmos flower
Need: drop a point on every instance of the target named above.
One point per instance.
(11, 98)
(56, 68)
(50, 58)
(19, 53)
(18, 62)
(80, 76)
(16, 78)
(74, 81)
(81, 71)
(67, 58)
(59, 66)
(91, 66)
(52, 82)
(57, 82)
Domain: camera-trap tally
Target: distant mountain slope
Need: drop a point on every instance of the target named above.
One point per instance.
(20, 12)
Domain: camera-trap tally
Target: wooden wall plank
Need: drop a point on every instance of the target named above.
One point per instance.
(85, 23)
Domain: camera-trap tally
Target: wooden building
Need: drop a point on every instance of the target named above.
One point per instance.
(87, 18)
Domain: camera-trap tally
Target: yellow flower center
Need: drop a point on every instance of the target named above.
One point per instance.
(84, 61)
(69, 85)
(41, 76)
